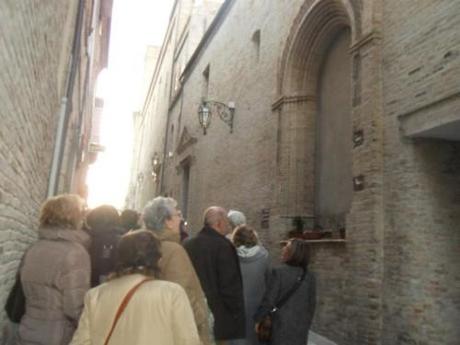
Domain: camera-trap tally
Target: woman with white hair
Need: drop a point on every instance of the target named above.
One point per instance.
(163, 218)
(236, 218)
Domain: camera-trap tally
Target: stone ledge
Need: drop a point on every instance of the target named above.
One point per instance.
(437, 120)
(327, 240)
(280, 101)
(317, 339)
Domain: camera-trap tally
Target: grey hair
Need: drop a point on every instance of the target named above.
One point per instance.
(157, 211)
(236, 218)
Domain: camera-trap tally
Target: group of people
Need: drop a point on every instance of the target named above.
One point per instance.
(98, 278)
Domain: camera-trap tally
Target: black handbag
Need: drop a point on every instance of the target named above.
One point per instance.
(15, 306)
(264, 331)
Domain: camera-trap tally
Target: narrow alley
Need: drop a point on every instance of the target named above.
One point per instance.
(330, 127)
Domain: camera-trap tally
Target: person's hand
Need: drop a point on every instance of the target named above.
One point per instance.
(256, 327)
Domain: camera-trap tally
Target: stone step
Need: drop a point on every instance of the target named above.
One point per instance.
(317, 339)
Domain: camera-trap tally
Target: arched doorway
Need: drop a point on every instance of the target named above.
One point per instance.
(330, 138)
(314, 111)
(333, 159)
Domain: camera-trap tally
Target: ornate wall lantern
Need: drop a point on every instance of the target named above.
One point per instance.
(208, 108)
(156, 166)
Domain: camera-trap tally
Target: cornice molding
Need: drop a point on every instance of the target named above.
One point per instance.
(292, 99)
(365, 40)
(185, 141)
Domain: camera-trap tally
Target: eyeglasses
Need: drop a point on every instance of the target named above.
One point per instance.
(178, 213)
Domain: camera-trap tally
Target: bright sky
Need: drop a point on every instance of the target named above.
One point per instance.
(135, 24)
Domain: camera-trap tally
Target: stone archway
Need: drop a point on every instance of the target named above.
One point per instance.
(333, 150)
(315, 30)
(314, 35)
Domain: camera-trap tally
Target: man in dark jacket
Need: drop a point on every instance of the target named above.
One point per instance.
(216, 263)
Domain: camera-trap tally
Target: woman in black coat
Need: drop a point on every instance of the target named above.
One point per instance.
(291, 322)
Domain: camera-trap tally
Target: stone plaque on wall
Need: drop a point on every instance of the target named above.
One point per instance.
(265, 218)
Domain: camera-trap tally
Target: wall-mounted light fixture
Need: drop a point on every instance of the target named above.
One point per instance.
(208, 108)
(358, 182)
(140, 178)
(156, 166)
(358, 138)
(155, 160)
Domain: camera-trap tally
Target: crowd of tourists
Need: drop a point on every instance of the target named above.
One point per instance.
(101, 277)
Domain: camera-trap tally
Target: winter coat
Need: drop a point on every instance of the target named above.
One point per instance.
(102, 253)
(158, 313)
(216, 263)
(292, 321)
(176, 267)
(254, 268)
(55, 277)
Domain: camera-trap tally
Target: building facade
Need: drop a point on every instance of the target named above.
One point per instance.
(189, 21)
(50, 57)
(346, 118)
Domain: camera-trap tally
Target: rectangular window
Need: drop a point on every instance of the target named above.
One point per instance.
(256, 42)
(185, 188)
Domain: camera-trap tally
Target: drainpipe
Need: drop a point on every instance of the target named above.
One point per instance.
(165, 155)
(165, 146)
(66, 107)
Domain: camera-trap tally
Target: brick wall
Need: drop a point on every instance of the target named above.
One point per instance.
(422, 177)
(36, 42)
(189, 20)
(231, 174)
(396, 278)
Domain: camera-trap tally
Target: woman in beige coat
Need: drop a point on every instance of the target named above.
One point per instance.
(158, 312)
(162, 217)
(55, 274)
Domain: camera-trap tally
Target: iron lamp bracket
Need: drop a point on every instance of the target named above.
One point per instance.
(208, 108)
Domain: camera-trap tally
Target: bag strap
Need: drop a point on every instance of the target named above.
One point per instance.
(123, 305)
(21, 264)
(23, 258)
(286, 297)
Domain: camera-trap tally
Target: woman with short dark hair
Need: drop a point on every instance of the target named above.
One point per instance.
(158, 312)
(105, 231)
(253, 258)
(130, 220)
(244, 236)
(291, 321)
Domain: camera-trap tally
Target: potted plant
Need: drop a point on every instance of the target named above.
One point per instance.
(296, 232)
